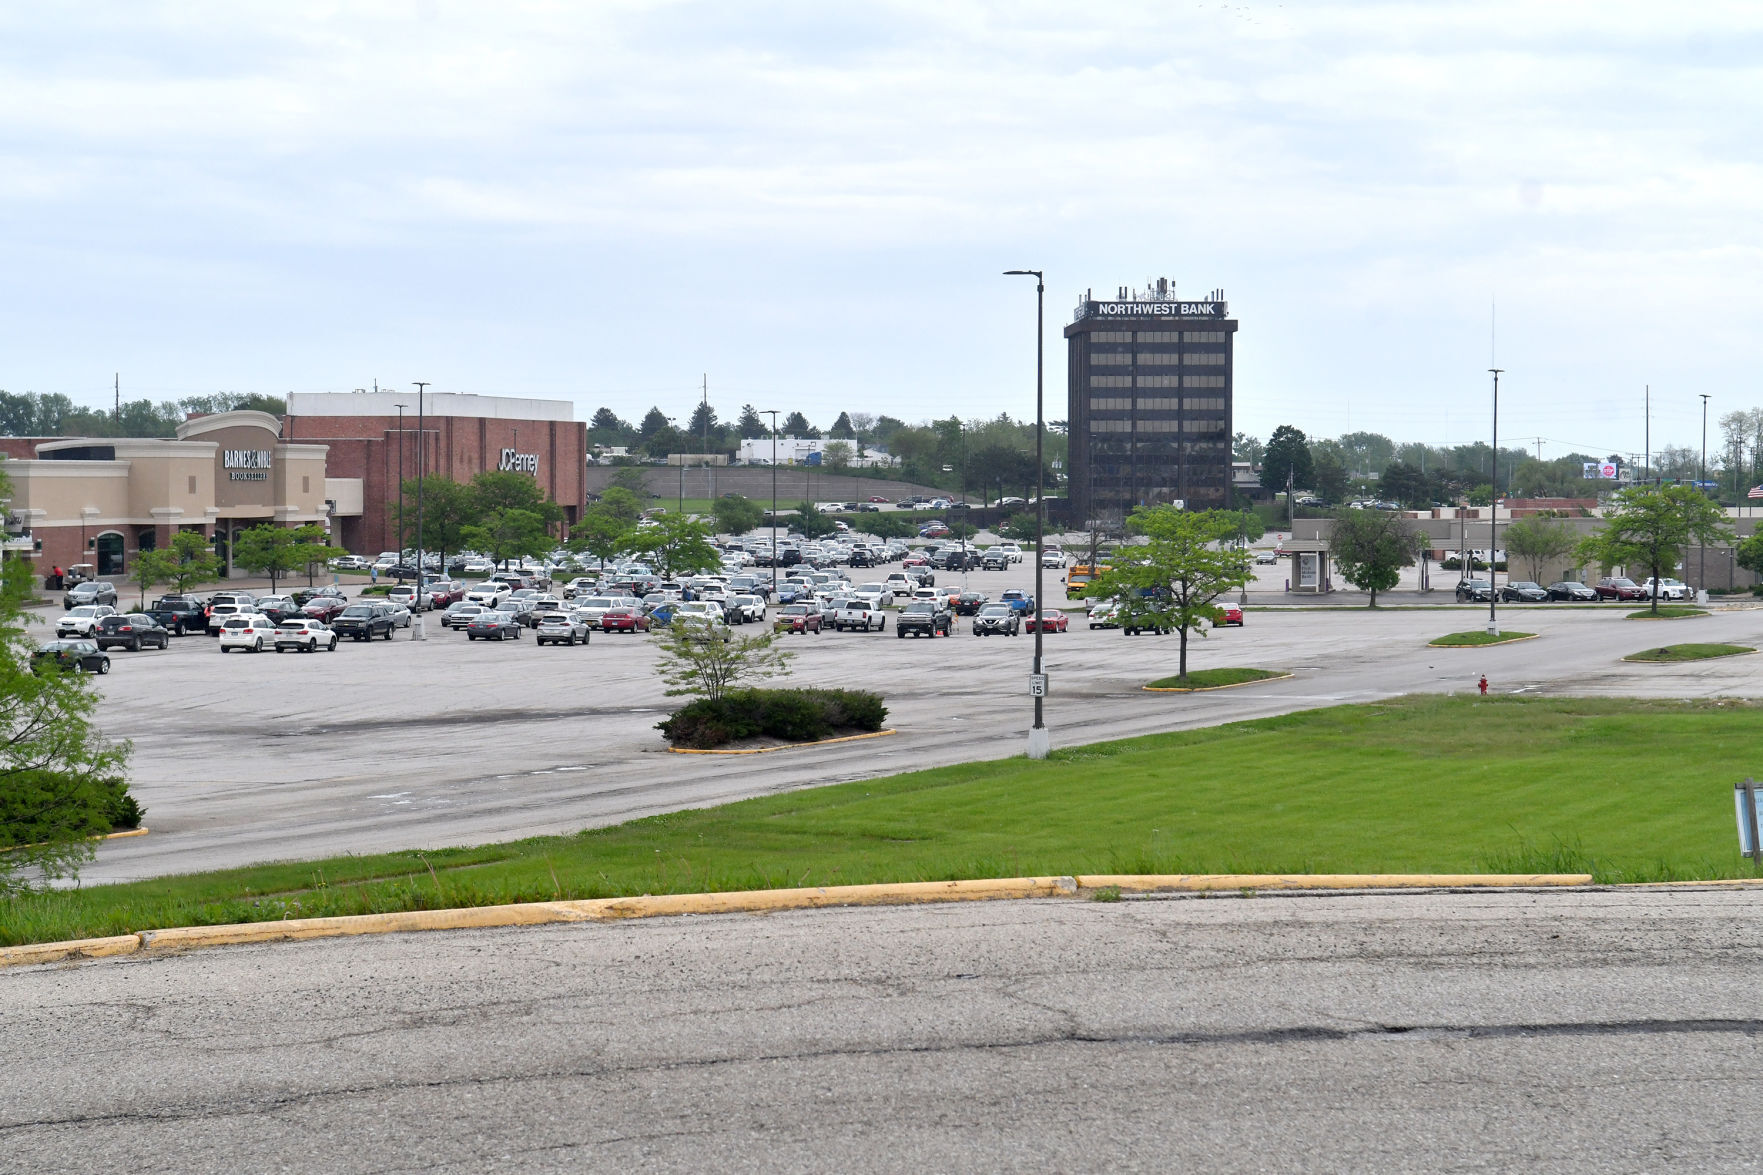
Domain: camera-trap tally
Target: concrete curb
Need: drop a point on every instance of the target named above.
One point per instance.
(124, 835)
(1691, 616)
(749, 902)
(1206, 689)
(1529, 636)
(820, 742)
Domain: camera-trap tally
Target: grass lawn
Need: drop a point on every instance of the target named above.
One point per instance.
(1628, 790)
(1668, 612)
(1689, 653)
(1474, 640)
(1214, 678)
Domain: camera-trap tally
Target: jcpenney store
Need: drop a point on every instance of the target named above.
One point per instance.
(104, 500)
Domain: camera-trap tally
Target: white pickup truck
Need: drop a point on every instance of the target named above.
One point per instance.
(860, 614)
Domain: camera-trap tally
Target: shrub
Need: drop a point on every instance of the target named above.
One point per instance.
(795, 715)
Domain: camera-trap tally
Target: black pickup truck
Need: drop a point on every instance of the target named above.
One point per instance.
(180, 614)
(923, 617)
(363, 622)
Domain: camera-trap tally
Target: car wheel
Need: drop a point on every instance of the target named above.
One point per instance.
(104, 665)
(257, 646)
(900, 632)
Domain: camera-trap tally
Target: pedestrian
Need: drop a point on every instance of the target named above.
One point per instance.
(55, 582)
(1484, 685)
(373, 573)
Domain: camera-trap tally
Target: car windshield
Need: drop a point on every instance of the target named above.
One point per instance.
(921, 606)
(597, 602)
(796, 610)
(86, 611)
(1525, 583)
(995, 610)
(361, 611)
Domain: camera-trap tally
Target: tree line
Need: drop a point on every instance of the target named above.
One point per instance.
(28, 414)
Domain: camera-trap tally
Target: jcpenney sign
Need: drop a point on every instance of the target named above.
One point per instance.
(513, 462)
(1156, 309)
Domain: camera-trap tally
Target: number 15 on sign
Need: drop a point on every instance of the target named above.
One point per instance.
(1037, 685)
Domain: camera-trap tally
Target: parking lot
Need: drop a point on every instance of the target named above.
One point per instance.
(403, 744)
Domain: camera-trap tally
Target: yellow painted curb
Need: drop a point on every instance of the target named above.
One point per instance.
(1205, 882)
(848, 738)
(751, 902)
(1529, 636)
(128, 833)
(1206, 689)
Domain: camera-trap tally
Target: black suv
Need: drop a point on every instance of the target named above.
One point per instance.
(180, 614)
(132, 632)
(923, 617)
(363, 622)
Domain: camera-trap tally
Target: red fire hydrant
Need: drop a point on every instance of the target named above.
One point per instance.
(1484, 685)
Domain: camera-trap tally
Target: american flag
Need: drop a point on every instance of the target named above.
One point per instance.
(1756, 492)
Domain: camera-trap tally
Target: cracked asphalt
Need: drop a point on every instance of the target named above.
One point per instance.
(1554, 1032)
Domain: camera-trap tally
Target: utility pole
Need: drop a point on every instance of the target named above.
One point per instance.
(1647, 435)
(1701, 479)
(1494, 518)
(118, 386)
(1038, 737)
(400, 483)
(772, 412)
(709, 474)
(418, 630)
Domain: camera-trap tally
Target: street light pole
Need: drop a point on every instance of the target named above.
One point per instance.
(400, 483)
(418, 627)
(1039, 741)
(772, 412)
(1702, 477)
(1494, 517)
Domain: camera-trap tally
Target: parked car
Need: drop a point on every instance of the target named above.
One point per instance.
(277, 608)
(1572, 590)
(561, 628)
(1105, 614)
(1474, 591)
(802, 618)
(997, 620)
(1018, 600)
(363, 622)
(924, 618)
(491, 624)
(1054, 621)
(489, 593)
(969, 603)
(1266, 557)
(246, 630)
(324, 608)
(1619, 587)
(77, 656)
(743, 609)
(219, 614)
(995, 560)
(1666, 588)
(1523, 591)
(624, 618)
(1231, 616)
(1052, 558)
(133, 632)
(179, 614)
(304, 634)
(98, 591)
(83, 620)
(305, 596)
(860, 613)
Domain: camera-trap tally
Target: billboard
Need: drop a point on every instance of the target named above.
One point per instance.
(1607, 470)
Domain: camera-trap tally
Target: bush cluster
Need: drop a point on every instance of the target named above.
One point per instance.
(795, 715)
(1456, 564)
(42, 806)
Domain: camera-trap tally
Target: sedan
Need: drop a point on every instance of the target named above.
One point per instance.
(997, 620)
(1474, 591)
(1230, 615)
(460, 614)
(132, 632)
(624, 620)
(1053, 622)
(324, 607)
(969, 603)
(561, 628)
(1571, 590)
(802, 618)
(304, 634)
(1522, 591)
(278, 608)
(78, 656)
(305, 596)
(1620, 587)
(492, 625)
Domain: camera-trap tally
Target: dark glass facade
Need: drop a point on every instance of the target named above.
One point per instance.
(1150, 386)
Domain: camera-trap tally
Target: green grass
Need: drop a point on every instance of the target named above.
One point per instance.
(1213, 678)
(1668, 612)
(1627, 790)
(1470, 640)
(1689, 653)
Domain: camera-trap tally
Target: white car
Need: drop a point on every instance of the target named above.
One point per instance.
(580, 586)
(489, 593)
(405, 596)
(83, 621)
(305, 634)
(1052, 557)
(1667, 589)
(350, 563)
(873, 594)
(1013, 550)
(246, 630)
(708, 609)
(746, 608)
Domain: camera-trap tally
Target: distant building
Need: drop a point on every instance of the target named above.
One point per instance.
(809, 451)
(1150, 380)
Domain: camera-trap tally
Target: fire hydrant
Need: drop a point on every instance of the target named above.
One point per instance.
(1484, 685)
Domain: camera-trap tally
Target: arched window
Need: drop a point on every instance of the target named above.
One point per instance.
(108, 552)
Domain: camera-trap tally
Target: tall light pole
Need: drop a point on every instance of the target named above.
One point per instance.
(418, 631)
(1701, 479)
(400, 482)
(772, 412)
(1039, 741)
(1494, 517)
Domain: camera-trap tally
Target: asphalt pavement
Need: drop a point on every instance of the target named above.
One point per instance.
(1551, 1032)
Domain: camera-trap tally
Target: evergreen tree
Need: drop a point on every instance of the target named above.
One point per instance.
(751, 425)
(703, 427)
(796, 425)
(842, 428)
(653, 422)
(606, 420)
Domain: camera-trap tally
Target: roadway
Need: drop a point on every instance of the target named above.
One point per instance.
(1550, 1032)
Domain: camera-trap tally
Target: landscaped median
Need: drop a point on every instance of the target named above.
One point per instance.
(1478, 640)
(1668, 612)
(1673, 653)
(1624, 790)
(1211, 679)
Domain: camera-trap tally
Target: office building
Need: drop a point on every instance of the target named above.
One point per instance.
(1150, 385)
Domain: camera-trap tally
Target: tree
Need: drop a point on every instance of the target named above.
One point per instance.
(1286, 463)
(1328, 477)
(1650, 528)
(892, 525)
(1749, 553)
(796, 425)
(507, 533)
(703, 425)
(676, 545)
(60, 778)
(1018, 528)
(1244, 447)
(606, 529)
(812, 523)
(1370, 548)
(664, 441)
(1187, 560)
(1538, 541)
(632, 482)
(278, 550)
(751, 425)
(150, 567)
(494, 491)
(862, 427)
(1403, 483)
(192, 562)
(691, 665)
(736, 514)
(836, 455)
(842, 428)
(448, 507)
(654, 421)
(606, 420)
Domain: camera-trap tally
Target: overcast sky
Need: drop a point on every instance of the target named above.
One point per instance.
(811, 202)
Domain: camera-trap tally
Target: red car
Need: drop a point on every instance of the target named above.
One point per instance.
(798, 618)
(1233, 614)
(624, 620)
(1055, 622)
(441, 596)
(914, 561)
(878, 498)
(1619, 587)
(323, 607)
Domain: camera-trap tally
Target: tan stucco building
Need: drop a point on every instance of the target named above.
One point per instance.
(103, 500)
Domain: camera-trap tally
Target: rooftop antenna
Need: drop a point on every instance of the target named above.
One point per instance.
(119, 397)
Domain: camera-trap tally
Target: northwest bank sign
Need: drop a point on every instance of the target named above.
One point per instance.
(1152, 310)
